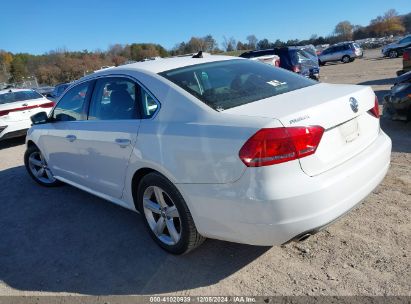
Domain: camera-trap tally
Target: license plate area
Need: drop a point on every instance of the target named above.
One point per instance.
(349, 130)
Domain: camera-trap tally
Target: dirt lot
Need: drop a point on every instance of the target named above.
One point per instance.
(59, 241)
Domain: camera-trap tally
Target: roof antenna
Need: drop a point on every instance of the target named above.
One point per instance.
(198, 55)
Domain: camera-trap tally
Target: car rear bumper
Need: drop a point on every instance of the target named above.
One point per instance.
(9, 129)
(272, 205)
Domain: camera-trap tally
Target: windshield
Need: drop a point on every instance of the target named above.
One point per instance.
(227, 84)
(18, 96)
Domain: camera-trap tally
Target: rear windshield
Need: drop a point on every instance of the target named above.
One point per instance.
(228, 84)
(18, 96)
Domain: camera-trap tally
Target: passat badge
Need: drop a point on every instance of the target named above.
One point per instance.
(354, 104)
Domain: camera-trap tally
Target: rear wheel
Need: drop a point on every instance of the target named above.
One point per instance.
(38, 169)
(321, 63)
(166, 215)
(393, 54)
(346, 59)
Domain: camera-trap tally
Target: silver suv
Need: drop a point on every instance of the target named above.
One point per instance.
(344, 52)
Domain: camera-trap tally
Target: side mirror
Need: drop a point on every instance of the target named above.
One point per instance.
(39, 118)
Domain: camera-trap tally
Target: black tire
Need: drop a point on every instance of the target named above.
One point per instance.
(321, 63)
(190, 238)
(345, 59)
(31, 150)
(393, 54)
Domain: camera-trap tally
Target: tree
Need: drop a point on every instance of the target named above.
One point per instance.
(344, 29)
(263, 44)
(229, 44)
(5, 61)
(252, 41)
(241, 46)
(17, 69)
(210, 44)
(388, 24)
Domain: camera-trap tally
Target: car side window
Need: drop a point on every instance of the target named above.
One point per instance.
(71, 105)
(114, 98)
(149, 104)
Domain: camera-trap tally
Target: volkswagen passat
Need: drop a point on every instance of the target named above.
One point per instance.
(215, 147)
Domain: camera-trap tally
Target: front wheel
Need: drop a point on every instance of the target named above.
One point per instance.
(36, 166)
(393, 54)
(166, 215)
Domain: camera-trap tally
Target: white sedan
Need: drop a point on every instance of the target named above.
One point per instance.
(216, 147)
(16, 107)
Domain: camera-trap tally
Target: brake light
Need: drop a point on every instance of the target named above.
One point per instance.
(375, 111)
(4, 113)
(277, 63)
(44, 105)
(47, 105)
(278, 145)
(296, 69)
(406, 56)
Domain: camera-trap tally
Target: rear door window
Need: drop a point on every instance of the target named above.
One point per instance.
(114, 98)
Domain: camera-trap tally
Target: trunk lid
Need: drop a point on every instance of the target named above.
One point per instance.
(21, 110)
(347, 132)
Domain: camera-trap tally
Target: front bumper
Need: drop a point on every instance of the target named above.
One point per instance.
(272, 205)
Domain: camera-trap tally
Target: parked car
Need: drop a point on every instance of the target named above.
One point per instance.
(397, 104)
(406, 62)
(294, 59)
(216, 147)
(45, 91)
(344, 52)
(264, 56)
(58, 90)
(393, 50)
(16, 107)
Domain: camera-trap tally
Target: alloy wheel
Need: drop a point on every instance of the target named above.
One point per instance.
(39, 169)
(393, 54)
(162, 215)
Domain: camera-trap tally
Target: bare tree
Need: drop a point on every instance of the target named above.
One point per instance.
(252, 41)
(344, 29)
(229, 44)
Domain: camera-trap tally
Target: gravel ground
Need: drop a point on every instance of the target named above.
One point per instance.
(65, 241)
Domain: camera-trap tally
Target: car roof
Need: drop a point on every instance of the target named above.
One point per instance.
(11, 90)
(165, 64)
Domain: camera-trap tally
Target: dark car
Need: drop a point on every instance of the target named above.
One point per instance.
(393, 50)
(397, 104)
(58, 90)
(300, 60)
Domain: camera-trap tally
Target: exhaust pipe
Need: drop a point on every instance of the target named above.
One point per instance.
(303, 237)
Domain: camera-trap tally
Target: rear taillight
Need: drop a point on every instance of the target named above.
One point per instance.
(277, 63)
(47, 105)
(4, 113)
(279, 145)
(406, 56)
(375, 111)
(296, 69)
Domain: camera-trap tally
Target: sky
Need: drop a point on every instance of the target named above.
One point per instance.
(40, 26)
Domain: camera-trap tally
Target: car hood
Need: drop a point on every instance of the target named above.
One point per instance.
(406, 77)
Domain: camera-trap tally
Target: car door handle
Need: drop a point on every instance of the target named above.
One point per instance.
(71, 138)
(122, 142)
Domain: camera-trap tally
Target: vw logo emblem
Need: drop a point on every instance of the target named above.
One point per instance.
(354, 104)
